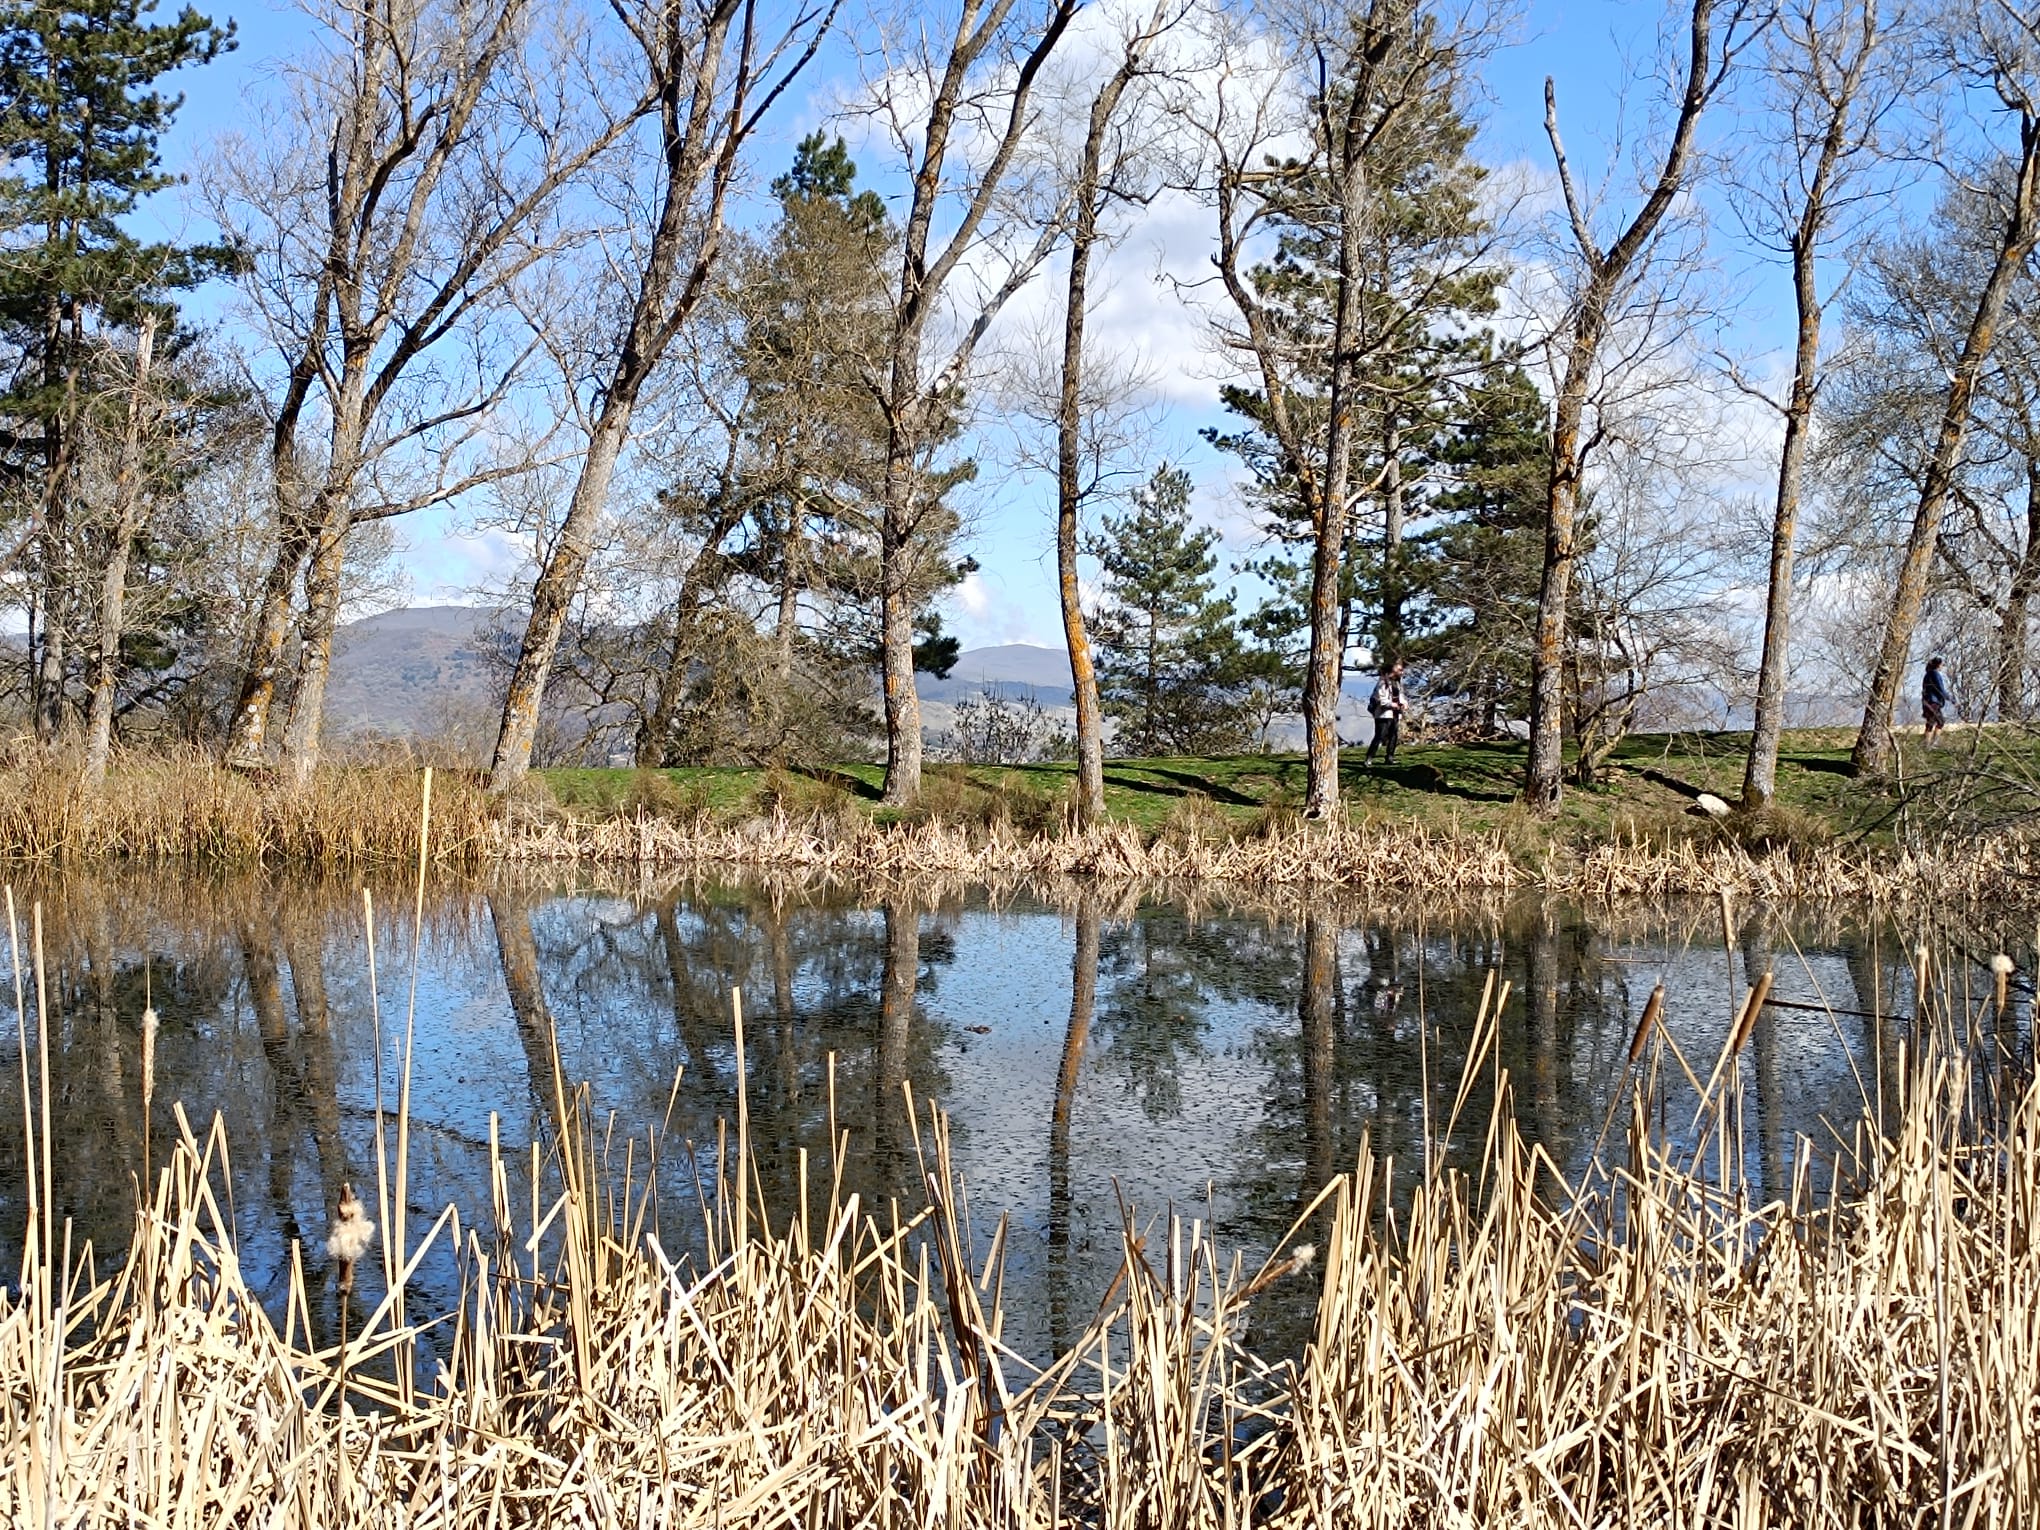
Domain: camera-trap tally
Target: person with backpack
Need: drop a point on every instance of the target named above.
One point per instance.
(1387, 705)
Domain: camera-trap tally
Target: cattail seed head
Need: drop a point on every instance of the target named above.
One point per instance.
(351, 1235)
(149, 1027)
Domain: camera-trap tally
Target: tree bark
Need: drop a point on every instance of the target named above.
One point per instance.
(1326, 667)
(1069, 488)
(699, 138)
(1544, 770)
(2012, 642)
(1760, 775)
(558, 582)
(1873, 752)
(127, 519)
(323, 588)
(1394, 515)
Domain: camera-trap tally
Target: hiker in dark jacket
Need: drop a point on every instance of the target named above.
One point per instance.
(1387, 706)
(1934, 700)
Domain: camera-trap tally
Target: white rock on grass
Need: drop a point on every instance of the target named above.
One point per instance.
(1711, 805)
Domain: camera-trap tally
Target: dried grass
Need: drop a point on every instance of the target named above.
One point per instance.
(1646, 1346)
(184, 807)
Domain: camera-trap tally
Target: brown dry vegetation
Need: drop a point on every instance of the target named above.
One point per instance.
(161, 808)
(1646, 1346)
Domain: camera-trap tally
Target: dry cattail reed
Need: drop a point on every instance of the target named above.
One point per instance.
(1653, 1008)
(351, 1234)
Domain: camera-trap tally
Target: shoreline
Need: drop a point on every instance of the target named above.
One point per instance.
(169, 811)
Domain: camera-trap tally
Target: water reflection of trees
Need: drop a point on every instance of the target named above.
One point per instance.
(1331, 1023)
(834, 1013)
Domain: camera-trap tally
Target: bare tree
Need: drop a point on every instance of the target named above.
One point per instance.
(130, 495)
(1826, 59)
(977, 85)
(411, 183)
(711, 72)
(1110, 168)
(1996, 46)
(1605, 280)
(1383, 79)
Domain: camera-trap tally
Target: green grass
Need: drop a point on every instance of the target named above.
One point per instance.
(1467, 786)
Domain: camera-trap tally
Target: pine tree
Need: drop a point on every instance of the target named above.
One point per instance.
(1473, 574)
(1172, 672)
(80, 127)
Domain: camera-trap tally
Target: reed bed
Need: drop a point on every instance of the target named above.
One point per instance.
(184, 806)
(1649, 1343)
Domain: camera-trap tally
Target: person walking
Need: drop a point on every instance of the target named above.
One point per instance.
(1387, 705)
(1934, 700)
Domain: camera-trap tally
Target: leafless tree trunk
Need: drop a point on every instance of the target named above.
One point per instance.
(914, 403)
(2012, 624)
(1824, 66)
(390, 218)
(712, 77)
(1874, 745)
(1371, 68)
(1607, 274)
(129, 497)
(1094, 188)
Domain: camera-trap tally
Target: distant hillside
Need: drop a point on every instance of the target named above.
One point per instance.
(1016, 669)
(424, 670)
(414, 671)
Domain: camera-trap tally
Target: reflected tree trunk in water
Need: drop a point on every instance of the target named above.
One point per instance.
(1076, 1037)
(891, 1130)
(1543, 979)
(102, 973)
(1765, 1064)
(785, 1032)
(518, 952)
(686, 1011)
(1880, 1031)
(1318, 1011)
(304, 949)
(265, 995)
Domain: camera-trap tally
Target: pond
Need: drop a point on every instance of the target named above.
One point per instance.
(1101, 1053)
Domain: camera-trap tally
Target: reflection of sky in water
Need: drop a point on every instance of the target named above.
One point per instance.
(1232, 1061)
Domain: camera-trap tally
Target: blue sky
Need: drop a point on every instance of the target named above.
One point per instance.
(1588, 46)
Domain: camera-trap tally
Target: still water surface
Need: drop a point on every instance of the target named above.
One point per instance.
(1094, 1049)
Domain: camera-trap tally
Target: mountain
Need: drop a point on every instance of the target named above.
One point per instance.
(428, 671)
(419, 670)
(1014, 669)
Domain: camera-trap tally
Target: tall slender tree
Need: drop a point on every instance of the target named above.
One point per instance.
(1825, 56)
(80, 131)
(1997, 46)
(1104, 174)
(712, 71)
(1605, 279)
(1383, 103)
(979, 82)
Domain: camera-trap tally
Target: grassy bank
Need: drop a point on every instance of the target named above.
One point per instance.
(1461, 787)
(1650, 1344)
(1443, 819)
